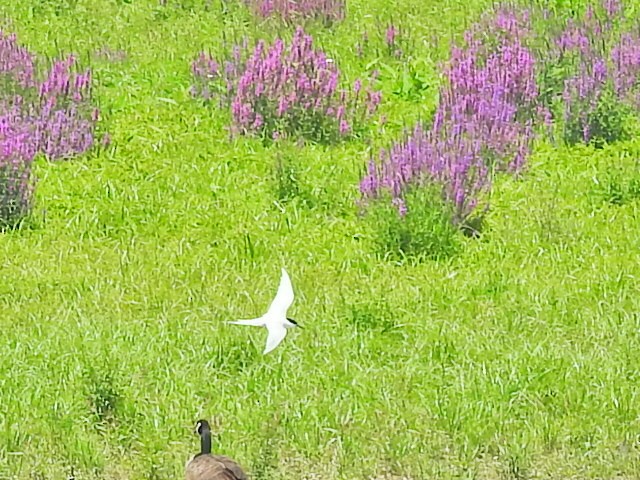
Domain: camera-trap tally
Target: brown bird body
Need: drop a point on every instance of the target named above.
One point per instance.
(205, 466)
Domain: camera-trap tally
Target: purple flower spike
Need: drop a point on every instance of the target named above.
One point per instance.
(293, 88)
(483, 121)
(54, 116)
(391, 35)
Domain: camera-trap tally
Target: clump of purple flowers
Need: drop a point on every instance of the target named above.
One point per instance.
(17, 65)
(66, 118)
(596, 72)
(491, 93)
(51, 115)
(426, 157)
(219, 81)
(281, 91)
(484, 122)
(59, 107)
(288, 10)
(18, 148)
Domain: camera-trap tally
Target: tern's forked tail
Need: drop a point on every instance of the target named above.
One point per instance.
(255, 322)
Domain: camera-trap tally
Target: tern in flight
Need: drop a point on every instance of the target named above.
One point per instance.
(276, 320)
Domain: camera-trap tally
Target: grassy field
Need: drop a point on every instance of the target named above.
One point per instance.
(516, 358)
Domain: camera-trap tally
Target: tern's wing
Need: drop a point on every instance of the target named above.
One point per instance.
(255, 322)
(276, 335)
(284, 297)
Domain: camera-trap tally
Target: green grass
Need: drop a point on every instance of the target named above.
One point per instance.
(515, 358)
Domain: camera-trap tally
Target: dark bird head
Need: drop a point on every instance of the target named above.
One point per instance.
(294, 322)
(202, 427)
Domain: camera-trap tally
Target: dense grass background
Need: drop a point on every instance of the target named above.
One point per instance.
(517, 358)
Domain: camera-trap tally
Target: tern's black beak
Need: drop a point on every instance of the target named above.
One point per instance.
(294, 322)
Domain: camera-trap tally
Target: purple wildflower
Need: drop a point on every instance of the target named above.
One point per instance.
(357, 86)
(54, 116)
(391, 36)
(484, 121)
(290, 87)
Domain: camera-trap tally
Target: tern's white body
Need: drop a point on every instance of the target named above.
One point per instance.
(275, 320)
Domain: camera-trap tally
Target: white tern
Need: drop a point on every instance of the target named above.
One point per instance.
(275, 320)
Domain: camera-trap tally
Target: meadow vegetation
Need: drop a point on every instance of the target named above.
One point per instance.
(453, 187)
